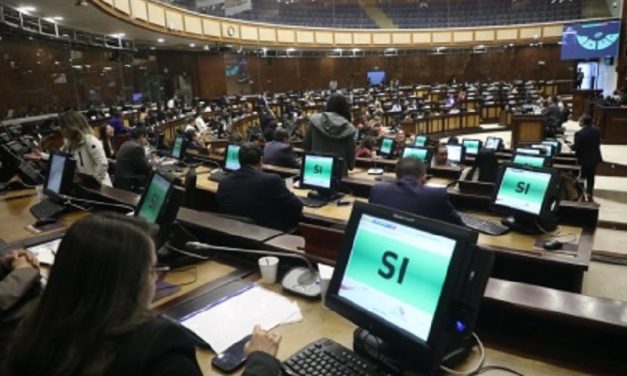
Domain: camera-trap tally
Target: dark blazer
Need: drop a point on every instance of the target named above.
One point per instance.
(261, 196)
(280, 154)
(587, 146)
(160, 347)
(131, 166)
(411, 196)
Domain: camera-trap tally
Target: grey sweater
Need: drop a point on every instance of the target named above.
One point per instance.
(330, 133)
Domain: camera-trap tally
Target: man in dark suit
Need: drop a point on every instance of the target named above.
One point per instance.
(252, 193)
(552, 117)
(410, 194)
(131, 165)
(587, 147)
(279, 152)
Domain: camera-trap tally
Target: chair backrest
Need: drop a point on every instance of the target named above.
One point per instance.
(190, 187)
(320, 241)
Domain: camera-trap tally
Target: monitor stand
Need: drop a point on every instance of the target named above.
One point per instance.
(324, 195)
(529, 226)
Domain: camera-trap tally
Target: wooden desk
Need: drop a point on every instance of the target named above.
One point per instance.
(527, 128)
(15, 214)
(613, 123)
(320, 322)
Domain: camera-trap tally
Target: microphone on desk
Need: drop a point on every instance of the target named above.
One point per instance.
(298, 280)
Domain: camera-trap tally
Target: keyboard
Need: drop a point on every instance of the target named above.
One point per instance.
(483, 226)
(312, 202)
(217, 175)
(386, 179)
(328, 358)
(46, 209)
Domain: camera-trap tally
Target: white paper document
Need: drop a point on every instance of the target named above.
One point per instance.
(232, 319)
(45, 252)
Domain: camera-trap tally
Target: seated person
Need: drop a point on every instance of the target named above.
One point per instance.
(117, 123)
(366, 148)
(195, 142)
(452, 141)
(279, 152)
(263, 197)
(94, 315)
(409, 193)
(132, 168)
(19, 284)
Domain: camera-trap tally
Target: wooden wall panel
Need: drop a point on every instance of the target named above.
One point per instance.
(211, 70)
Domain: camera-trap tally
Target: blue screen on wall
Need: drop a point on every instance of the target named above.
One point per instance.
(376, 77)
(590, 40)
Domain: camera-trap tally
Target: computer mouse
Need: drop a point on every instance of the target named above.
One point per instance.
(552, 245)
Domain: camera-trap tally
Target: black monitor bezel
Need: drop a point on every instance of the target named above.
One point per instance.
(558, 146)
(516, 151)
(429, 156)
(391, 153)
(426, 144)
(550, 148)
(551, 197)
(171, 179)
(183, 148)
(463, 154)
(499, 144)
(466, 147)
(69, 172)
(226, 156)
(546, 160)
(336, 175)
(453, 287)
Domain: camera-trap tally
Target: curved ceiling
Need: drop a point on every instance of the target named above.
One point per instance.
(91, 19)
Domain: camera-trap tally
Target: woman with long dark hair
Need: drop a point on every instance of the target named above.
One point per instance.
(94, 319)
(331, 132)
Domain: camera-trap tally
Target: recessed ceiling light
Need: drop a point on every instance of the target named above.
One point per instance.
(356, 50)
(153, 48)
(206, 47)
(26, 9)
(57, 18)
(192, 45)
(117, 35)
(291, 49)
(338, 50)
(160, 40)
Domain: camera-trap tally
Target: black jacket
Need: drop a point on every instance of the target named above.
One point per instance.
(280, 154)
(587, 146)
(160, 347)
(330, 133)
(411, 196)
(131, 166)
(260, 196)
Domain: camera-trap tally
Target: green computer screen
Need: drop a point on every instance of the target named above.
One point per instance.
(528, 160)
(472, 146)
(318, 171)
(232, 158)
(176, 147)
(420, 141)
(154, 198)
(397, 272)
(523, 190)
(416, 152)
(386, 146)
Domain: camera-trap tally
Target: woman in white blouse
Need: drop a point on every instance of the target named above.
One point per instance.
(79, 140)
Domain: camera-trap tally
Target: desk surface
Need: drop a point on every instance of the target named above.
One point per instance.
(321, 322)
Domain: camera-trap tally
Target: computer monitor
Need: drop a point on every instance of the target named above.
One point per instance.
(60, 174)
(399, 276)
(154, 199)
(493, 143)
(422, 141)
(455, 153)
(472, 146)
(137, 97)
(557, 146)
(530, 195)
(531, 160)
(531, 151)
(178, 148)
(321, 173)
(548, 150)
(424, 154)
(231, 158)
(386, 148)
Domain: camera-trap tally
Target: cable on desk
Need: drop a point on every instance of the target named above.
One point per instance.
(498, 368)
(477, 368)
(186, 253)
(94, 202)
